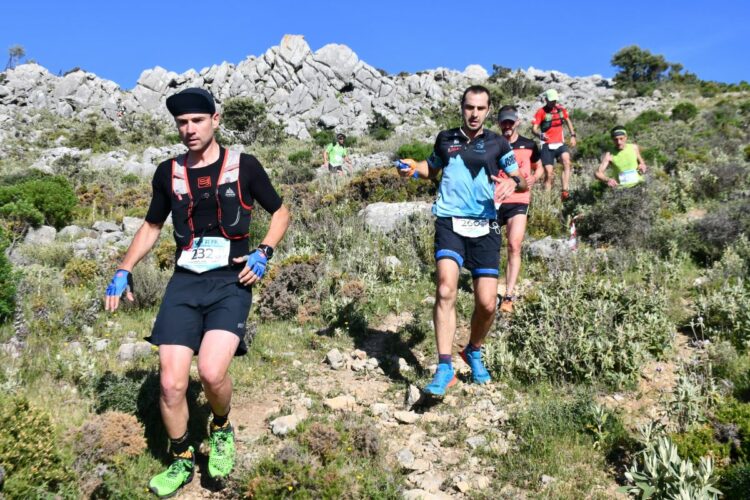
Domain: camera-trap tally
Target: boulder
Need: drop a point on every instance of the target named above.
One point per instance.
(385, 217)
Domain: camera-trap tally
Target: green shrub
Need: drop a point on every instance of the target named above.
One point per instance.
(384, 184)
(720, 227)
(659, 471)
(30, 452)
(684, 111)
(52, 197)
(79, 271)
(301, 157)
(95, 136)
(746, 151)
(735, 481)
(582, 326)
(737, 414)
(248, 119)
(337, 460)
(379, 127)
(725, 314)
(296, 174)
(644, 121)
(700, 442)
(593, 146)
(719, 181)
(623, 216)
(418, 151)
(8, 282)
(324, 137)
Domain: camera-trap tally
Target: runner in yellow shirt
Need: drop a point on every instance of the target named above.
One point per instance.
(625, 158)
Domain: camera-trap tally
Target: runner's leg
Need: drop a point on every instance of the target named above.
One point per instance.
(549, 177)
(444, 313)
(485, 299)
(516, 228)
(174, 376)
(216, 353)
(566, 171)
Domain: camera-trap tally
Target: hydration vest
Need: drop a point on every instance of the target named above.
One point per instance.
(550, 121)
(233, 213)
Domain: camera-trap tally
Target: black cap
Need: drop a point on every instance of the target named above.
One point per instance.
(507, 114)
(192, 100)
(340, 136)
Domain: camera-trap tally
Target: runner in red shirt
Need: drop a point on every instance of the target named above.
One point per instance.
(548, 126)
(513, 211)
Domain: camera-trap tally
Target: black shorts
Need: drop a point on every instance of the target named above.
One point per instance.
(480, 255)
(335, 168)
(510, 210)
(548, 156)
(194, 304)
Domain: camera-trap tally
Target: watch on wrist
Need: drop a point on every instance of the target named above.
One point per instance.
(267, 250)
(517, 180)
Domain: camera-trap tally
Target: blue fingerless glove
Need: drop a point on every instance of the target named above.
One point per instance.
(121, 282)
(257, 262)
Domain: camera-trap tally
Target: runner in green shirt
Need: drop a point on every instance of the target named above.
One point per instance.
(334, 156)
(626, 160)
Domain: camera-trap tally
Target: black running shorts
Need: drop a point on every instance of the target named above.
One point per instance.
(194, 304)
(480, 255)
(510, 210)
(548, 156)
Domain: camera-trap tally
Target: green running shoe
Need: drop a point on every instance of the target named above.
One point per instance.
(221, 457)
(177, 475)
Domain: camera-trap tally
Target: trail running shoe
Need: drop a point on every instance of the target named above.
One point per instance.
(444, 378)
(564, 195)
(177, 475)
(479, 374)
(506, 305)
(221, 457)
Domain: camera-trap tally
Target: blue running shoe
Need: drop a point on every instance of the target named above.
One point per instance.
(444, 378)
(479, 374)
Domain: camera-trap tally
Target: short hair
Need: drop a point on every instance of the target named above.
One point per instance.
(476, 89)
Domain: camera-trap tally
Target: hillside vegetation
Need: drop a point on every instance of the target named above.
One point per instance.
(625, 369)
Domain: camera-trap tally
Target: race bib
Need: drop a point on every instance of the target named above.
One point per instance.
(629, 177)
(212, 253)
(554, 145)
(471, 228)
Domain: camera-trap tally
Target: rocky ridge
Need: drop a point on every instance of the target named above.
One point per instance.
(329, 88)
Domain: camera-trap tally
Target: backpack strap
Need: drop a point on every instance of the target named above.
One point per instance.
(180, 183)
(230, 170)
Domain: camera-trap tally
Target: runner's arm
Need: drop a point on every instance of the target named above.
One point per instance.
(641, 164)
(325, 156)
(601, 171)
(143, 241)
(421, 168)
(280, 221)
(572, 131)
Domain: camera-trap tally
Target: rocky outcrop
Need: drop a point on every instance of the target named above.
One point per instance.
(302, 89)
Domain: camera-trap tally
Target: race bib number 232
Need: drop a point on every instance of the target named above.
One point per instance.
(211, 253)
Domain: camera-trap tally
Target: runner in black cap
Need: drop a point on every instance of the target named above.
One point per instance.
(210, 192)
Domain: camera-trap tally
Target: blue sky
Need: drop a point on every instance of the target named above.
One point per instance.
(118, 40)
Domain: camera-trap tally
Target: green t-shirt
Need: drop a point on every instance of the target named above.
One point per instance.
(626, 166)
(336, 154)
